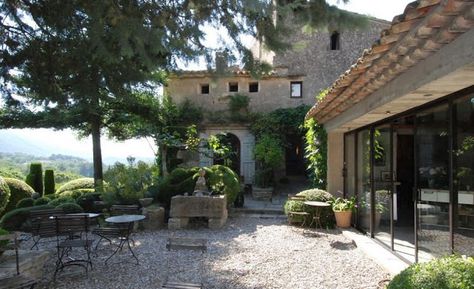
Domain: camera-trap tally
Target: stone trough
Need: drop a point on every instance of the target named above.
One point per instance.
(214, 208)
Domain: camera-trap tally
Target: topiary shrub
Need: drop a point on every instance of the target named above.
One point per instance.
(4, 195)
(18, 190)
(35, 177)
(16, 220)
(83, 183)
(49, 184)
(61, 200)
(70, 208)
(178, 182)
(42, 201)
(451, 272)
(87, 202)
(75, 194)
(315, 195)
(25, 203)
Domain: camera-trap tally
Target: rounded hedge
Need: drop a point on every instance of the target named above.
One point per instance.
(16, 219)
(61, 200)
(83, 183)
(223, 180)
(315, 195)
(451, 272)
(25, 203)
(18, 190)
(42, 201)
(70, 208)
(75, 194)
(4, 194)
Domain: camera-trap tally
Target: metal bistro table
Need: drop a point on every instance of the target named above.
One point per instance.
(127, 222)
(317, 212)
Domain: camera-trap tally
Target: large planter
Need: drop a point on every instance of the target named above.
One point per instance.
(343, 218)
(262, 193)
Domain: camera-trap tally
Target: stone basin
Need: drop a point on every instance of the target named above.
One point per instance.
(184, 207)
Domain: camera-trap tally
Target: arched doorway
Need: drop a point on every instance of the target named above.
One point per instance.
(232, 159)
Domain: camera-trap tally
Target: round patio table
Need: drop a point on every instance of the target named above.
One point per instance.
(127, 222)
(317, 212)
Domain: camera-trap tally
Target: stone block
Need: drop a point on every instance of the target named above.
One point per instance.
(217, 223)
(177, 223)
(155, 218)
(262, 193)
(198, 206)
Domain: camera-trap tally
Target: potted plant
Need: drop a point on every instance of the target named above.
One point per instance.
(343, 209)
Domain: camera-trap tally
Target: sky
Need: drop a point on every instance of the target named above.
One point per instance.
(69, 144)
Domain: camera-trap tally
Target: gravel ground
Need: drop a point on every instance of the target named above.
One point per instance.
(246, 253)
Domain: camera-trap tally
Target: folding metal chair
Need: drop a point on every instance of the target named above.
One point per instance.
(43, 224)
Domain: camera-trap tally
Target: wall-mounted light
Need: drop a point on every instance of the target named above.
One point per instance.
(428, 94)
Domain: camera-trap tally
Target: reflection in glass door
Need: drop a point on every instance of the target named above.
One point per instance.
(432, 157)
(363, 180)
(383, 184)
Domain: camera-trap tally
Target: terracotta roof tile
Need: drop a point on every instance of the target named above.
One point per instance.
(424, 28)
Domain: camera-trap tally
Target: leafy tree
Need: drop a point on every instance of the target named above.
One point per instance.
(82, 64)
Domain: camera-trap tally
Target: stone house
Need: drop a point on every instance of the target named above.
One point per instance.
(400, 129)
(298, 75)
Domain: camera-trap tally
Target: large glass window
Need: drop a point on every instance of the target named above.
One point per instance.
(464, 175)
(432, 154)
(349, 165)
(363, 179)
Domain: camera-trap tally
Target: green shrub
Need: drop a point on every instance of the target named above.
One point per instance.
(315, 195)
(127, 183)
(18, 190)
(295, 206)
(224, 181)
(4, 195)
(70, 208)
(15, 220)
(49, 184)
(451, 272)
(42, 201)
(61, 200)
(326, 214)
(83, 183)
(25, 203)
(87, 202)
(75, 194)
(35, 177)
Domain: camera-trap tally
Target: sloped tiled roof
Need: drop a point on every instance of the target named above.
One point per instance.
(423, 29)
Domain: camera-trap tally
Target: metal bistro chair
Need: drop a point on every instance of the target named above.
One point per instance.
(43, 224)
(75, 229)
(18, 280)
(113, 231)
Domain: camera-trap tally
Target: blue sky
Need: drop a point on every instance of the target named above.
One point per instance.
(69, 144)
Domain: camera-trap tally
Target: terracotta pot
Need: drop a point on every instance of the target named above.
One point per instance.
(343, 219)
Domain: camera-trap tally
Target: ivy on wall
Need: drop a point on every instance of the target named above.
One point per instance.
(316, 153)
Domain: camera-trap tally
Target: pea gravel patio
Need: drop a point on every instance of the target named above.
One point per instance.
(246, 253)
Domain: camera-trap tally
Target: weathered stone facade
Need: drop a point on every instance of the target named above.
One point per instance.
(311, 62)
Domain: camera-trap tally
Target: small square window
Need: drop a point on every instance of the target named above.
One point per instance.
(204, 88)
(296, 89)
(233, 87)
(253, 87)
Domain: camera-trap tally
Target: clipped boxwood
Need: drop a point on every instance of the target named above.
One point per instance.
(75, 194)
(315, 195)
(82, 183)
(25, 203)
(61, 200)
(70, 208)
(18, 190)
(87, 202)
(450, 272)
(4, 194)
(16, 219)
(42, 201)
(295, 206)
(224, 181)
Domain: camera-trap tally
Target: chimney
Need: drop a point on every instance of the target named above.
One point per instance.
(222, 59)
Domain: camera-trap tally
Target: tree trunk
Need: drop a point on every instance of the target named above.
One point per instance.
(163, 153)
(97, 153)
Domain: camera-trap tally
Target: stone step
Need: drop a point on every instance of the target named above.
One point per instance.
(259, 216)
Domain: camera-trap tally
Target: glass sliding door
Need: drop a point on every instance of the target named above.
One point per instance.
(383, 185)
(463, 174)
(363, 179)
(433, 195)
(349, 165)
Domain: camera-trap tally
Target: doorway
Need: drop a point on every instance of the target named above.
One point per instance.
(230, 159)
